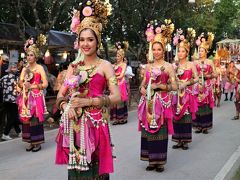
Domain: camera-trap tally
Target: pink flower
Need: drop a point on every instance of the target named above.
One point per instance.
(150, 34)
(87, 11)
(158, 30)
(175, 40)
(72, 81)
(182, 37)
(198, 42)
(75, 23)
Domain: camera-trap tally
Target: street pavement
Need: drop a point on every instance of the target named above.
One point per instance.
(206, 156)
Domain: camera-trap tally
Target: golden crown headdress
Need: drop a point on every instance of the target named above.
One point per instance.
(32, 45)
(159, 32)
(205, 42)
(184, 40)
(122, 47)
(92, 14)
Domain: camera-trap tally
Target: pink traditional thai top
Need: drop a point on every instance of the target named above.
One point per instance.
(122, 84)
(96, 131)
(161, 101)
(185, 102)
(34, 104)
(205, 92)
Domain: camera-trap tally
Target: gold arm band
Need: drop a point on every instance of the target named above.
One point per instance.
(112, 80)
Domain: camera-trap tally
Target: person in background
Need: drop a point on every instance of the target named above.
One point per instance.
(184, 102)
(154, 110)
(31, 101)
(217, 82)
(8, 85)
(4, 66)
(20, 66)
(237, 90)
(119, 112)
(56, 113)
(128, 76)
(230, 83)
(206, 72)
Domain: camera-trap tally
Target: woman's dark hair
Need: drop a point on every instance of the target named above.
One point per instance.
(157, 42)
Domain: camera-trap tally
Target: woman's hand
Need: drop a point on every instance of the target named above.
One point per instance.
(182, 85)
(154, 86)
(77, 102)
(71, 113)
(27, 85)
(143, 91)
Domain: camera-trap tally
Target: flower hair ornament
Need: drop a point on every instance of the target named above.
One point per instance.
(159, 32)
(91, 14)
(122, 47)
(205, 41)
(184, 40)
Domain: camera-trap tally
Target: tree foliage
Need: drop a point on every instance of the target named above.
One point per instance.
(129, 18)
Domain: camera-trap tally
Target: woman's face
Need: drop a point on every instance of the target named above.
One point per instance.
(231, 64)
(182, 53)
(31, 58)
(119, 57)
(157, 51)
(202, 53)
(88, 42)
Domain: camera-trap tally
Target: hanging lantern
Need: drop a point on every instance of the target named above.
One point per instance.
(47, 54)
(22, 55)
(65, 55)
(168, 47)
(191, 1)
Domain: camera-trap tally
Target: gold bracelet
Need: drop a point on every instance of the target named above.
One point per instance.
(59, 101)
(62, 103)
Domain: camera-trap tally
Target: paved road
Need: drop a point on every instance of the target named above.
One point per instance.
(206, 156)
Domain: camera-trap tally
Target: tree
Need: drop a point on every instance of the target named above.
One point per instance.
(226, 14)
(42, 15)
(130, 18)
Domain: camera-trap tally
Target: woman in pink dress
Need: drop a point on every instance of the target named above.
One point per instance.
(217, 82)
(206, 72)
(31, 102)
(237, 90)
(154, 110)
(185, 104)
(230, 81)
(84, 139)
(119, 112)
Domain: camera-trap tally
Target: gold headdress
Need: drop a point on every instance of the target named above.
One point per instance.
(122, 47)
(185, 41)
(93, 15)
(32, 46)
(203, 42)
(157, 32)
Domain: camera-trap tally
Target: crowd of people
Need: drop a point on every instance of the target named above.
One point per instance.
(93, 94)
